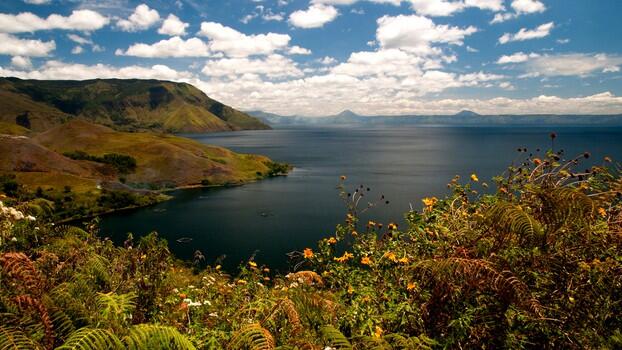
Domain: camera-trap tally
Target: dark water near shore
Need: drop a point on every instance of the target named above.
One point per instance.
(276, 216)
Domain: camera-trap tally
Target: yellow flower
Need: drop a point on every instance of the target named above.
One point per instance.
(391, 256)
(308, 253)
(378, 332)
(474, 178)
(350, 290)
(218, 267)
(354, 233)
(411, 286)
(332, 240)
(252, 264)
(345, 257)
(241, 282)
(429, 201)
(602, 212)
(371, 223)
(392, 226)
(404, 260)
(365, 260)
(342, 177)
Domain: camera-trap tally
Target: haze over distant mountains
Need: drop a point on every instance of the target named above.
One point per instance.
(462, 118)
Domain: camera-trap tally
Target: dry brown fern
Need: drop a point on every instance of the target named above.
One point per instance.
(287, 307)
(306, 277)
(26, 302)
(22, 270)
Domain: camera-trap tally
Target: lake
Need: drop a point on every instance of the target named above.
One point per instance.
(275, 216)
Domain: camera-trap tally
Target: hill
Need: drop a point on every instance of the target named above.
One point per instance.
(124, 104)
(87, 160)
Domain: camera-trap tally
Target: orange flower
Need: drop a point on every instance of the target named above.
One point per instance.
(391, 256)
(602, 212)
(537, 161)
(332, 240)
(354, 233)
(350, 290)
(183, 306)
(308, 253)
(411, 286)
(365, 260)
(345, 257)
(474, 178)
(342, 177)
(392, 226)
(404, 260)
(182, 296)
(378, 332)
(429, 201)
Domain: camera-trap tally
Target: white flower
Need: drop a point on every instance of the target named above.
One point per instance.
(31, 218)
(213, 314)
(14, 239)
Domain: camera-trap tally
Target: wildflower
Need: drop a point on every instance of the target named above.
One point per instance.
(14, 239)
(266, 278)
(332, 240)
(411, 286)
(537, 161)
(602, 212)
(342, 177)
(392, 226)
(366, 260)
(218, 267)
(308, 253)
(31, 218)
(378, 332)
(404, 260)
(391, 256)
(474, 178)
(266, 270)
(354, 233)
(241, 282)
(607, 159)
(429, 202)
(252, 264)
(183, 306)
(183, 296)
(350, 290)
(345, 257)
(143, 257)
(371, 223)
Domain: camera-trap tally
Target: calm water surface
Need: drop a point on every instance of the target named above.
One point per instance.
(275, 216)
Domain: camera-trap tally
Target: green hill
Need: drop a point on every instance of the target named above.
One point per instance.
(124, 104)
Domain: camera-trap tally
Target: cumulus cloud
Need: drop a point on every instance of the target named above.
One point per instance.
(77, 50)
(528, 6)
(62, 70)
(14, 46)
(82, 20)
(430, 7)
(297, 50)
(21, 62)
(272, 66)
(233, 43)
(528, 34)
(173, 47)
(313, 17)
(37, 2)
(417, 33)
(518, 57)
(173, 26)
(578, 64)
(142, 18)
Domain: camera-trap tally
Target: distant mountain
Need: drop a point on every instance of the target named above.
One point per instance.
(124, 104)
(462, 118)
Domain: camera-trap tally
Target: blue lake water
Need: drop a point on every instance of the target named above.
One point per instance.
(275, 216)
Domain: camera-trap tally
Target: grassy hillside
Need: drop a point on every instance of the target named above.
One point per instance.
(84, 162)
(130, 104)
(536, 265)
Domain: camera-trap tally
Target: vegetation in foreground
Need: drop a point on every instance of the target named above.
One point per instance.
(536, 265)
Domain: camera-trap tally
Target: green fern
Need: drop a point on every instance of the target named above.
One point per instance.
(116, 307)
(149, 336)
(252, 337)
(92, 339)
(14, 339)
(335, 339)
(507, 218)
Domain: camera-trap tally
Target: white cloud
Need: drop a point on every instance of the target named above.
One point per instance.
(79, 39)
(142, 18)
(518, 57)
(77, 50)
(528, 6)
(428, 7)
(272, 66)
(436, 7)
(297, 50)
(62, 70)
(82, 20)
(172, 47)
(528, 34)
(327, 60)
(314, 17)
(173, 26)
(471, 49)
(492, 5)
(37, 2)
(14, 46)
(233, 43)
(21, 62)
(417, 33)
(562, 41)
(572, 64)
(502, 17)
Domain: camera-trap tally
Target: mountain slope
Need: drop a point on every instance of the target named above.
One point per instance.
(125, 104)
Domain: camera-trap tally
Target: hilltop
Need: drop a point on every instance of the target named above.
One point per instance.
(124, 104)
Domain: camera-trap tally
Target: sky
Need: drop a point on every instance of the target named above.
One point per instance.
(319, 57)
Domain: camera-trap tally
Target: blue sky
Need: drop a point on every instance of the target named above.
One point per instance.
(318, 57)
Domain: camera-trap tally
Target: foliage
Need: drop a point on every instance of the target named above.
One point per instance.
(537, 265)
(124, 164)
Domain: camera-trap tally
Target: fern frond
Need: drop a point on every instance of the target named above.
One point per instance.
(151, 336)
(26, 302)
(252, 337)
(287, 307)
(22, 269)
(63, 326)
(14, 339)
(565, 205)
(400, 342)
(115, 306)
(92, 339)
(479, 274)
(334, 338)
(507, 218)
